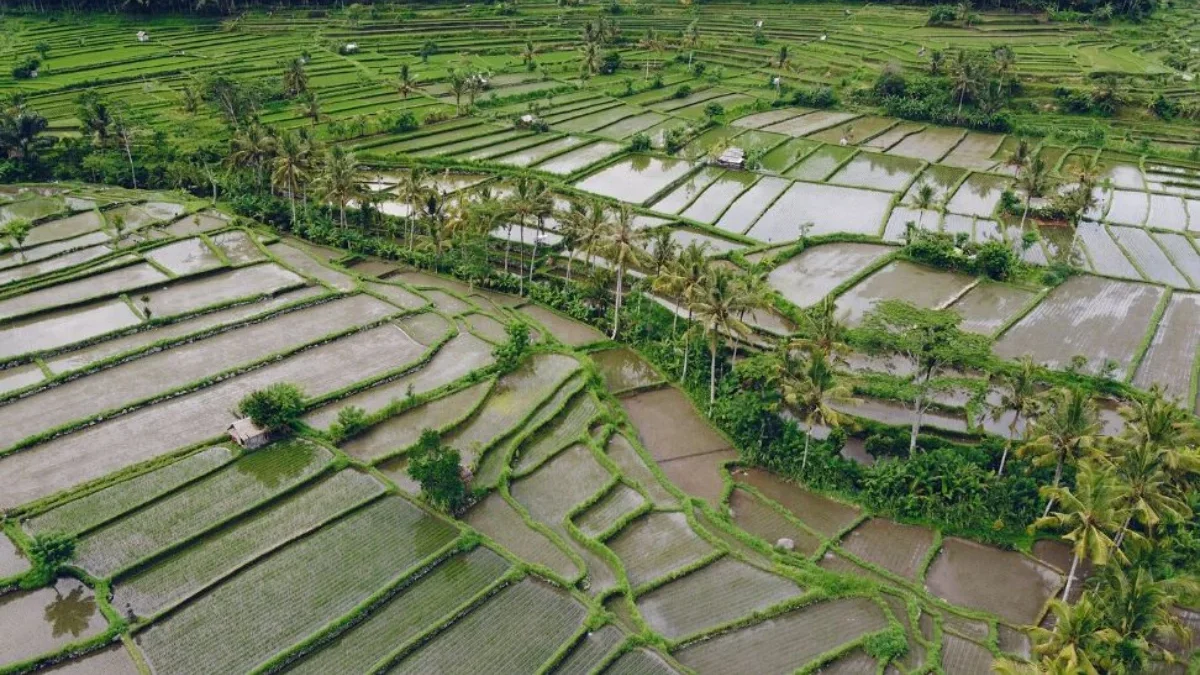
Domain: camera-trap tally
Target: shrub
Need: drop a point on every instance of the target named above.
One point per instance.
(275, 408)
(609, 65)
(887, 645)
(942, 14)
(674, 138)
(640, 142)
(508, 355)
(816, 97)
(26, 69)
(996, 260)
(351, 421)
(714, 109)
(404, 121)
(683, 91)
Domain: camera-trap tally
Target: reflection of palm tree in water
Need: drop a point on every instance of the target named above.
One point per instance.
(71, 613)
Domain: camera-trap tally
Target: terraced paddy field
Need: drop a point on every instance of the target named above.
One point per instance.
(328, 544)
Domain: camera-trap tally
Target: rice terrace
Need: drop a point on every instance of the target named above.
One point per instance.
(600, 336)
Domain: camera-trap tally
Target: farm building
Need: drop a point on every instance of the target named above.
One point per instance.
(249, 435)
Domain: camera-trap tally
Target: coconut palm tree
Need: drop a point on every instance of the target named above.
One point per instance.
(528, 53)
(821, 328)
(663, 251)
(312, 107)
(1034, 179)
(406, 82)
(1021, 155)
(412, 191)
(253, 146)
(1018, 396)
(1150, 495)
(681, 281)
(1141, 610)
(1080, 630)
(592, 58)
(295, 80)
(290, 169)
(531, 199)
(652, 44)
(716, 304)
(810, 386)
(1089, 513)
(1159, 421)
(1066, 431)
(964, 77)
(582, 223)
(338, 180)
(622, 246)
(924, 199)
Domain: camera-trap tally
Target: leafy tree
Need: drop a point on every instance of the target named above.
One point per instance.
(428, 49)
(1066, 431)
(439, 470)
(930, 338)
(275, 408)
(1088, 514)
(48, 552)
(18, 230)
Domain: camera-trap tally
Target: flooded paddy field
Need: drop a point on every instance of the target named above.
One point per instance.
(901, 280)
(812, 275)
(1097, 318)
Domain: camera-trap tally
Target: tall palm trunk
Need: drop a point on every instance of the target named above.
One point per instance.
(687, 344)
(712, 375)
(1012, 433)
(1070, 577)
(807, 438)
(1057, 477)
(617, 306)
(1124, 528)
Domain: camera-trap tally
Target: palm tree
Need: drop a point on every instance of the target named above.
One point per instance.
(622, 246)
(1140, 608)
(582, 223)
(1150, 494)
(810, 386)
(312, 107)
(1066, 431)
(295, 80)
(663, 251)
(823, 330)
(936, 58)
(682, 280)
(1034, 180)
(1157, 420)
(1088, 513)
(923, 200)
(964, 77)
(1004, 57)
(338, 180)
(592, 58)
(716, 305)
(412, 191)
(1019, 395)
(290, 168)
(253, 146)
(528, 52)
(1021, 155)
(406, 82)
(530, 199)
(1079, 630)
(460, 83)
(652, 44)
